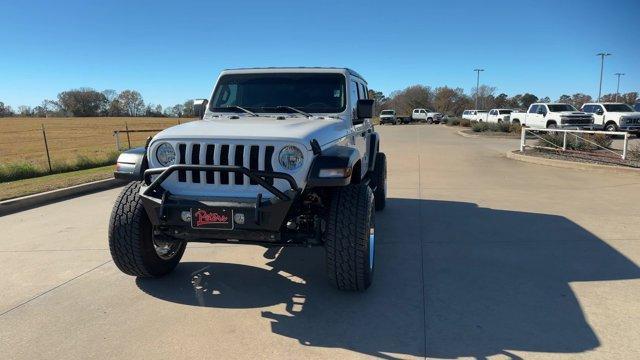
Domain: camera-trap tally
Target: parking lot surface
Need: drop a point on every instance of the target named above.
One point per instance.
(478, 256)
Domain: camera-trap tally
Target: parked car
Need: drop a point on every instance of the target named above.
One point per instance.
(426, 115)
(292, 161)
(614, 116)
(498, 115)
(554, 115)
(474, 115)
(389, 117)
(637, 107)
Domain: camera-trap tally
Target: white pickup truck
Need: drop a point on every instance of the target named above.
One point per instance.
(550, 116)
(497, 115)
(614, 116)
(474, 115)
(426, 115)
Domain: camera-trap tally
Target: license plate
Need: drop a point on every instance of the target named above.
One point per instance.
(212, 218)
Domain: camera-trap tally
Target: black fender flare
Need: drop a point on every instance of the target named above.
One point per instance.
(336, 157)
(374, 148)
(131, 165)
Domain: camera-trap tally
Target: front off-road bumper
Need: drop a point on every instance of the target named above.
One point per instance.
(200, 218)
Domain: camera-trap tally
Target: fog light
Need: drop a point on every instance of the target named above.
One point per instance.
(335, 173)
(186, 216)
(238, 218)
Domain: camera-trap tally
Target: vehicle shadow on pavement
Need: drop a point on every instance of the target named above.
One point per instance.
(491, 282)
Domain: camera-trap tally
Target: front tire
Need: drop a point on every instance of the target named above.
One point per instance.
(131, 243)
(350, 238)
(611, 127)
(429, 121)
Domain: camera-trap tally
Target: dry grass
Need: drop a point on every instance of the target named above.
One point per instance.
(21, 138)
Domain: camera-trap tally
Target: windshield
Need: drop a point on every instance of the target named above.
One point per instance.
(312, 93)
(387, 112)
(505, 111)
(561, 107)
(618, 107)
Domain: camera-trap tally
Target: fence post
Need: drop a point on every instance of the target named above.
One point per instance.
(523, 136)
(116, 133)
(46, 147)
(624, 149)
(126, 126)
(564, 141)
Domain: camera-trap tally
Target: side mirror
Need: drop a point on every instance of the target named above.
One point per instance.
(364, 110)
(541, 111)
(199, 107)
(599, 112)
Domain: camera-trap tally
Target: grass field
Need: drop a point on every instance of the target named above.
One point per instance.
(21, 139)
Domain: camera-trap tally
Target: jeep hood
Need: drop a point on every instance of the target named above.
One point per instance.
(295, 129)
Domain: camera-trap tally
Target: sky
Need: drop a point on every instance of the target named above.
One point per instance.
(172, 51)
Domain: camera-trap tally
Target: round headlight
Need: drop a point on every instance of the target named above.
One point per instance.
(290, 157)
(165, 154)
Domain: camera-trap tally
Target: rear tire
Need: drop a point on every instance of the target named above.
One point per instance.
(350, 238)
(131, 242)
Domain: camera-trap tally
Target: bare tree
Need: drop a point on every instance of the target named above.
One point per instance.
(131, 102)
(24, 110)
(451, 101)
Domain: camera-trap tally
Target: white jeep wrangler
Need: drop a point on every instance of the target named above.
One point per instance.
(281, 157)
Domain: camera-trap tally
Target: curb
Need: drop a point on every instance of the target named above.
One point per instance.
(566, 164)
(474, 136)
(32, 201)
(471, 136)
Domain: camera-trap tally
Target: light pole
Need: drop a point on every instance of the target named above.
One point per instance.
(618, 87)
(477, 85)
(602, 55)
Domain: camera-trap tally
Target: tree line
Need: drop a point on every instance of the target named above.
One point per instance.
(453, 101)
(87, 102)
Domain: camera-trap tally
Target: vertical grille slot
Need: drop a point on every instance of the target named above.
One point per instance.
(195, 160)
(238, 161)
(253, 160)
(209, 161)
(182, 175)
(224, 160)
(267, 162)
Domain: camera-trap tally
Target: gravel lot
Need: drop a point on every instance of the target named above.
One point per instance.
(478, 256)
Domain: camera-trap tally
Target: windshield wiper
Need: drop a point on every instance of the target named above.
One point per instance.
(291, 108)
(294, 109)
(239, 108)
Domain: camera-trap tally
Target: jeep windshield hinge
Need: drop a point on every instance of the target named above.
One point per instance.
(315, 146)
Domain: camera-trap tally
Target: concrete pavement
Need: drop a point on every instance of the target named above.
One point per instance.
(479, 256)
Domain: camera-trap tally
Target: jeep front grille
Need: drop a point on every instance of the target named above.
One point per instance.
(253, 157)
